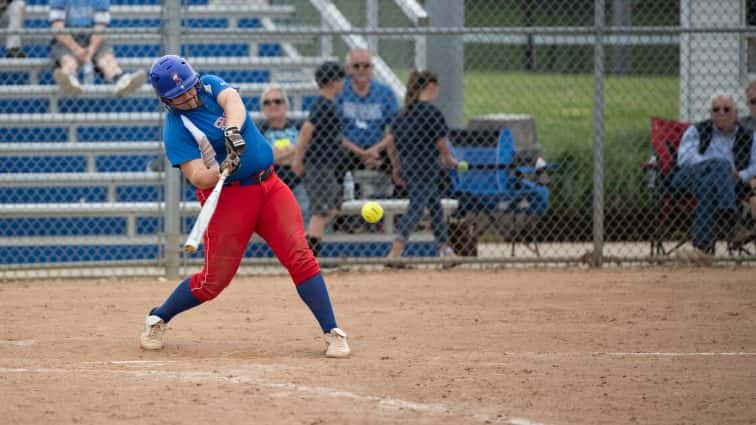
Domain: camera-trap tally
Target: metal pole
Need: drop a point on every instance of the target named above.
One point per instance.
(598, 138)
(622, 12)
(527, 17)
(172, 185)
(446, 58)
(371, 18)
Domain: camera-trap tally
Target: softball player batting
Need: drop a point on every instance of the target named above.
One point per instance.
(207, 125)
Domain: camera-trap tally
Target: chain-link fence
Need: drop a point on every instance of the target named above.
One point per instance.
(545, 131)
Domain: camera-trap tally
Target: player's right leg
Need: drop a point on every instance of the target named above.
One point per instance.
(226, 238)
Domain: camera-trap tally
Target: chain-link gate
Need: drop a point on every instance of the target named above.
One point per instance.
(542, 132)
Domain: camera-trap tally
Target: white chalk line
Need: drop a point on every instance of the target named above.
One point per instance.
(692, 354)
(631, 354)
(228, 376)
(17, 342)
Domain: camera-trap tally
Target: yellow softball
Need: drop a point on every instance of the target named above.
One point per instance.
(372, 211)
(282, 143)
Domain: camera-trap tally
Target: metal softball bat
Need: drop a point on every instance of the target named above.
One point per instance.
(203, 219)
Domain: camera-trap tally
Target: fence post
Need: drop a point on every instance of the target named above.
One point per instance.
(446, 57)
(172, 185)
(598, 137)
(371, 20)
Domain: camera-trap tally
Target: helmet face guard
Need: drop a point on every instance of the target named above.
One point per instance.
(171, 76)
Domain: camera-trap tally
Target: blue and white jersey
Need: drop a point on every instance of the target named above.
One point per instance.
(198, 133)
(80, 13)
(365, 118)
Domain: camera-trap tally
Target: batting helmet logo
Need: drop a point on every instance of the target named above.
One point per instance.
(176, 79)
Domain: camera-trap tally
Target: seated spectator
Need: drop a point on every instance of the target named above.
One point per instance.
(281, 132)
(13, 19)
(749, 121)
(69, 52)
(319, 153)
(715, 161)
(420, 141)
(368, 108)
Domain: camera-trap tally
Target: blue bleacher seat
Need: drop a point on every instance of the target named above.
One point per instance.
(43, 164)
(118, 134)
(139, 193)
(27, 135)
(62, 226)
(53, 194)
(68, 253)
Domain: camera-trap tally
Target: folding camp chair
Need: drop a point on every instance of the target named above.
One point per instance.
(495, 186)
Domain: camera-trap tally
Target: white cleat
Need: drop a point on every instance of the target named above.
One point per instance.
(336, 344)
(129, 82)
(152, 336)
(67, 82)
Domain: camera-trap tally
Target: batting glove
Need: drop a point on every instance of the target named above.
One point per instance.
(234, 141)
(231, 163)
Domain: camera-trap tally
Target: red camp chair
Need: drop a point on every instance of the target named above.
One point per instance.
(673, 213)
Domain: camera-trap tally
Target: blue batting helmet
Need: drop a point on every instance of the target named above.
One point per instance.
(171, 76)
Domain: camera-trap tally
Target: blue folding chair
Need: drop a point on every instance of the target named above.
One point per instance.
(495, 185)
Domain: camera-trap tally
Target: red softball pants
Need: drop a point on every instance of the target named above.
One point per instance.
(268, 209)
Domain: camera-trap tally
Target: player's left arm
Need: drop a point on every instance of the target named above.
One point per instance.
(235, 114)
(234, 111)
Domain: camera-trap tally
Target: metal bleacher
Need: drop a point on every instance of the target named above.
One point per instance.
(75, 183)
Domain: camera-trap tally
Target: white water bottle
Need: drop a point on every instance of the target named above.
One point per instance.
(348, 186)
(88, 70)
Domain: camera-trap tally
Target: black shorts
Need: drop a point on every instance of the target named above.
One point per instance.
(323, 188)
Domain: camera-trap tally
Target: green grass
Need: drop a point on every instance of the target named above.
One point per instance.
(563, 109)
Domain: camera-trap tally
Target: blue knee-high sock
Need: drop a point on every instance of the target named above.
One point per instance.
(314, 293)
(181, 299)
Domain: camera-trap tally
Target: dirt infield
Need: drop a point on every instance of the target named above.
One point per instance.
(645, 346)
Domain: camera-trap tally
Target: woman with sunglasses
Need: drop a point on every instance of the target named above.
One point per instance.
(207, 131)
(418, 153)
(281, 132)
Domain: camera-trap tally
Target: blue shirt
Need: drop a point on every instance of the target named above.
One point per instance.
(365, 118)
(80, 13)
(719, 148)
(198, 133)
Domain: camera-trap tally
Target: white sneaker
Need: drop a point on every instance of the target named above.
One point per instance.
(152, 336)
(67, 82)
(129, 82)
(695, 256)
(336, 343)
(449, 258)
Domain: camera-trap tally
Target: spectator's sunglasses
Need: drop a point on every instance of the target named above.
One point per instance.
(365, 65)
(277, 101)
(724, 109)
